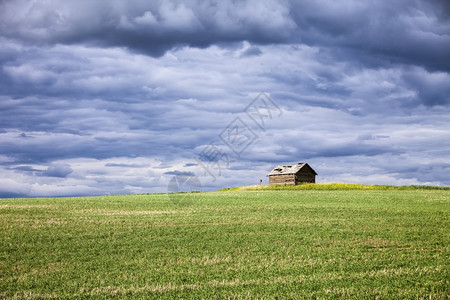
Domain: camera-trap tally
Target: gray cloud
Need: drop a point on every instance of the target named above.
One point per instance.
(431, 88)
(58, 171)
(122, 165)
(148, 27)
(181, 173)
(251, 51)
(402, 32)
(25, 168)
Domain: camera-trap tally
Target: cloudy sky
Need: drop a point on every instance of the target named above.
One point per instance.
(113, 97)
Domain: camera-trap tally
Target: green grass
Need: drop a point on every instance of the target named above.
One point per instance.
(364, 243)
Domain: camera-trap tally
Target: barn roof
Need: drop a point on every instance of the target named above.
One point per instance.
(289, 169)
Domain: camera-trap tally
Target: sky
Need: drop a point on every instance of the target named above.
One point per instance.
(119, 97)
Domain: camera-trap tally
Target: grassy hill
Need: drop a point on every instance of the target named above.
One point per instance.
(335, 186)
(255, 242)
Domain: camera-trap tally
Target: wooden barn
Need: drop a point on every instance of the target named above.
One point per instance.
(292, 174)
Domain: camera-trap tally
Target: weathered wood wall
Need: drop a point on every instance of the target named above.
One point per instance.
(305, 178)
(285, 179)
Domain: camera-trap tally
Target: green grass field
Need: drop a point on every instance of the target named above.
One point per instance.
(254, 243)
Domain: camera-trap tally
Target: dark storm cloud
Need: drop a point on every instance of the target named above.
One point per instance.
(432, 89)
(377, 32)
(409, 32)
(149, 27)
(57, 171)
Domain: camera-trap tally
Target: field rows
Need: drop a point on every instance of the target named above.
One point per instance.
(234, 244)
